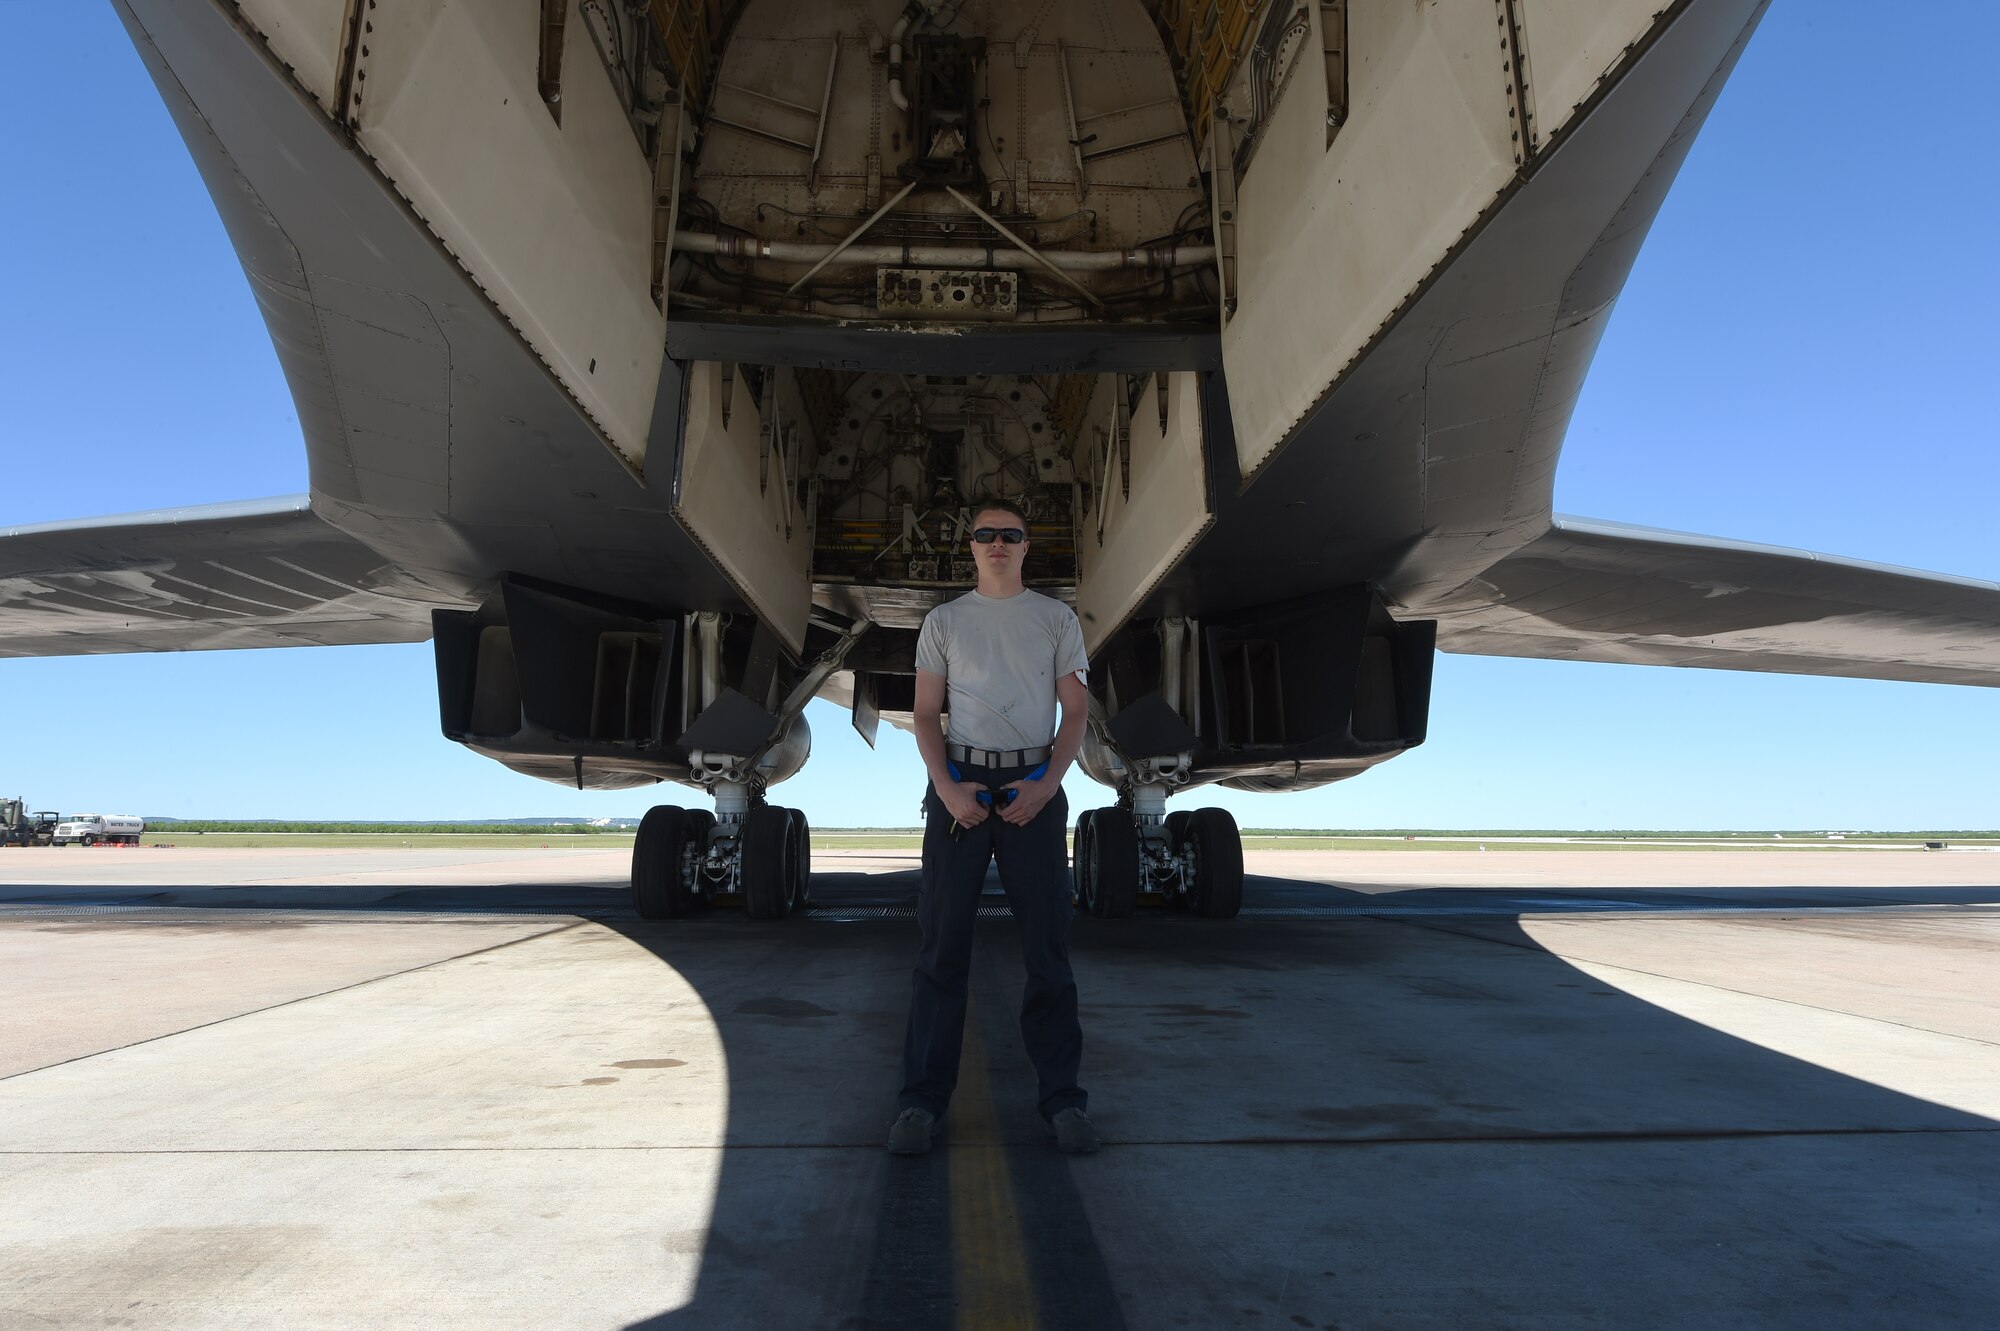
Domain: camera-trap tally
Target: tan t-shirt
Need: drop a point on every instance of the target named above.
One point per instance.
(1000, 658)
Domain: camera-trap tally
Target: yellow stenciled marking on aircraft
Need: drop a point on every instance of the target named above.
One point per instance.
(995, 1291)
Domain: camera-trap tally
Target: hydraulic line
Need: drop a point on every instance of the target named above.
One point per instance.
(1159, 258)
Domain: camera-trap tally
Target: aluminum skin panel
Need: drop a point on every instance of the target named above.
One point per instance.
(1572, 45)
(1146, 533)
(308, 36)
(554, 221)
(737, 510)
(1331, 241)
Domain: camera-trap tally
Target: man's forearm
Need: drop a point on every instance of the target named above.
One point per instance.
(1069, 739)
(930, 744)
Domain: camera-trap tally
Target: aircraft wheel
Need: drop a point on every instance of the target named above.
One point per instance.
(798, 860)
(1218, 863)
(762, 866)
(659, 891)
(1113, 864)
(1080, 861)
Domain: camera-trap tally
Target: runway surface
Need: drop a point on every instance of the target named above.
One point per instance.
(468, 1088)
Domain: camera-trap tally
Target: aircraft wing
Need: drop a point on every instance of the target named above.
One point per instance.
(259, 573)
(1601, 591)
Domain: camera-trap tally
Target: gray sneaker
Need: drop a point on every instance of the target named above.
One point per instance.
(912, 1131)
(1074, 1133)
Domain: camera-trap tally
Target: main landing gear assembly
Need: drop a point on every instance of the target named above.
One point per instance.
(684, 859)
(749, 849)
(1134, 849)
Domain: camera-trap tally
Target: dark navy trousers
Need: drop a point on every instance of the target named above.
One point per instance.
(1034, 870)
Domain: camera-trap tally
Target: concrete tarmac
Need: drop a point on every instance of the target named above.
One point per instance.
(468, 1088)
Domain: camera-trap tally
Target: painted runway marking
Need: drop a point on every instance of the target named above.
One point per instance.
(995, 1291)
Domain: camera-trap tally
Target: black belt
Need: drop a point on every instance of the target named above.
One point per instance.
(960, 753)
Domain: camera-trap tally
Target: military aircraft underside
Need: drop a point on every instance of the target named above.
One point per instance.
(652, 356)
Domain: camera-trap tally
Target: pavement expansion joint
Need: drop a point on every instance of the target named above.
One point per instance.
(872, 1145)
(1505, 907)
(293, 1002)
(1556, 1138)
(285, 914)
(1037, 1142)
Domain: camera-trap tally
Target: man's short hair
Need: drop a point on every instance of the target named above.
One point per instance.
(1002, 506)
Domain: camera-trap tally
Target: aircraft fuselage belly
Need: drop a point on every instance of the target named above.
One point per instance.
(751, 326)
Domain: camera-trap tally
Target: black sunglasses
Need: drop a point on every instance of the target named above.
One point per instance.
(987, 535)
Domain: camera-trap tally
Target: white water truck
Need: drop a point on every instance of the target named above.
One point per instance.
(88, 829)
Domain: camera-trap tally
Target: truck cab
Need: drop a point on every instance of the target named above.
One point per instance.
(15, 830)
(88, 829)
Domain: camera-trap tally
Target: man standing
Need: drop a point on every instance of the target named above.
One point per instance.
(998, 660)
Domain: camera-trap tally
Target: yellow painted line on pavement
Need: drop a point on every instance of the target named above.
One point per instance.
(995, 1290)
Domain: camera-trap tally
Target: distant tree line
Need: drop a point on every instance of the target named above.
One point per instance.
(195, 825)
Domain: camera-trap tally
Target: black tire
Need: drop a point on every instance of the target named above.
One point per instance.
(86, 840)
(1080, 861)
(798, 860)
(761, 863)
(659, 891)
(1114, 864)
(1218, 859)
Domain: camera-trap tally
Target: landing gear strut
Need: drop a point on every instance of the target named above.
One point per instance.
(1191, 858)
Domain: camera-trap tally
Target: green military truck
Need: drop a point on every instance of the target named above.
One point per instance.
(18, 827)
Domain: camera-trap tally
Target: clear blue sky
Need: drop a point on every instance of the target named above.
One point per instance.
(1804, 356)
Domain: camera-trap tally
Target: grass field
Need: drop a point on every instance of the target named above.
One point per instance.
(381, 840)
(911, 841)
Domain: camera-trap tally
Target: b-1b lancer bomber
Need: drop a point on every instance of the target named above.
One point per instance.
(652, 357)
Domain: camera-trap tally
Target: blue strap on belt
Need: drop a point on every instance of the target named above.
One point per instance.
(986, 796)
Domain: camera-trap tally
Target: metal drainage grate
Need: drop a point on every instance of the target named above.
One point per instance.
(851, 914)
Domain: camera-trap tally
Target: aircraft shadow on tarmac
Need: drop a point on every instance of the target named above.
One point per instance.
(1336, 1122)
(1399, 1111)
